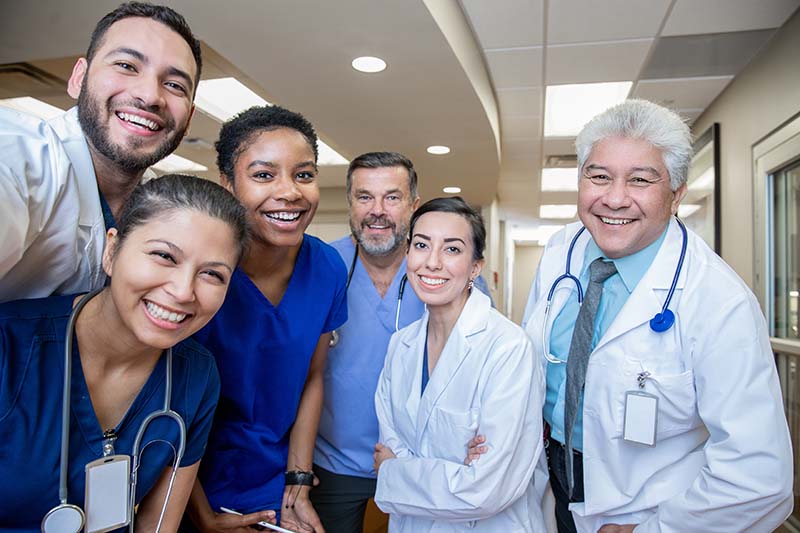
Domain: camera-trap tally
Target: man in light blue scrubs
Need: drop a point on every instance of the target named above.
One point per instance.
(382, 195)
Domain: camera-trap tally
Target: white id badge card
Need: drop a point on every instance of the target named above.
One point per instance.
(641, 417)
(108, 493)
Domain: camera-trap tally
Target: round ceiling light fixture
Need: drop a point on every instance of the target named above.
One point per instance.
(438, 150)
(451, 190)
(369, 64)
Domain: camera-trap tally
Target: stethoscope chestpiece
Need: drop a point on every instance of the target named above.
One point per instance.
(65, 518)
(662, 321)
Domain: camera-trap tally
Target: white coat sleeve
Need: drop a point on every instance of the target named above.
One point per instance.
(746, 483)
(387, 434)
(28, 189)
(510, 417)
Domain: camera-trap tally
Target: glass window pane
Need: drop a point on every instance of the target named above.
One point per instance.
(786, 241)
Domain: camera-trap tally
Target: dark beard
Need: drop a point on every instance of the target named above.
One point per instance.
(97, 132)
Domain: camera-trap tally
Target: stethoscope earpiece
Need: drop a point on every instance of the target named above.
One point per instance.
(662, 321)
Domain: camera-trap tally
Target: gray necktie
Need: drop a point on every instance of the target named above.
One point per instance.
(579, 350)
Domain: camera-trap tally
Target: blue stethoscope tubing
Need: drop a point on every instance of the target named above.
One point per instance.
(65, 427)
(660, 323)
(335, 334)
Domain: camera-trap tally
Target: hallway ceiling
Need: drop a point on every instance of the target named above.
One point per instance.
(471, 75)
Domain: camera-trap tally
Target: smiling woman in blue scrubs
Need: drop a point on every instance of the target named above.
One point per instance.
(271, 336)
(177, 243)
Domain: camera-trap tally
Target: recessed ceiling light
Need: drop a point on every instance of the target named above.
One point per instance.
(369, 64)
(438, 150)
(558, 211)
(223, 98)
(569, 107)
(33, 106)
(451, 190)
(175, 163)
(559, 179)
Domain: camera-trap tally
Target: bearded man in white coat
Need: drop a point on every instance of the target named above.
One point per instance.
(674, 424)
(63, 181)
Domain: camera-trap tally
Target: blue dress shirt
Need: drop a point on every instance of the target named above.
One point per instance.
(616, 289)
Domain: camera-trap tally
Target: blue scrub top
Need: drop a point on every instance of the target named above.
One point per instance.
(263, 353)
(32, 336)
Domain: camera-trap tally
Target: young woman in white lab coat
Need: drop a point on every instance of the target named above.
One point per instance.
(461, 370)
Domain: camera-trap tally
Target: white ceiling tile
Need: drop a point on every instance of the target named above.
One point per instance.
(518, 193)
(506, 23)
(603, 21)
(529, 150)
(598, 62)
(520, 101)
(518, 170)
(715, 16)
(521, 67)
(521, 127)
(682, 93)
(561, 146)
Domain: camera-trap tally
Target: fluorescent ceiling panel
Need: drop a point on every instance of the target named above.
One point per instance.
(175, 163)
(569, 107)
(558, 211)
(559, 179)
(223, 98)
(32, 106)
(540, 234)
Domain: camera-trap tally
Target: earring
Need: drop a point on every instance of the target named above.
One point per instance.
(471, 284)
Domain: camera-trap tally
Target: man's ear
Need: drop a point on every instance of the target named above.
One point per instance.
(112, 240)
(677, 196)
(75, 83)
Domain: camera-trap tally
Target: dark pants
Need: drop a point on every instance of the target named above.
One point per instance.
(341, 501)
(558, 481)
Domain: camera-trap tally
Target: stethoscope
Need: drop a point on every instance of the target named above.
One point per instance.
(335, 333)
(660, 323)
(67, 517)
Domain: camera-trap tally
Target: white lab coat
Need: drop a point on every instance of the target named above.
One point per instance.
(723, 459)
(53, 232)
(485, 382)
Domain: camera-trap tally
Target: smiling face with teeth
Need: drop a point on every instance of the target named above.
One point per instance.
(440, 261)
(168, 277)
(624, 195)
(276, 181)
(135, 98)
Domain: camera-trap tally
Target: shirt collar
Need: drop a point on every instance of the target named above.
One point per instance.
(631, 268)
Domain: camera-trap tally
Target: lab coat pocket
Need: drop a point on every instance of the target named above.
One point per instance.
(677, 402)
(450, 431)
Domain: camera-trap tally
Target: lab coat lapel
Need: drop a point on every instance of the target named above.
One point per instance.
(473, 320)
(413, 343)
(648, 297)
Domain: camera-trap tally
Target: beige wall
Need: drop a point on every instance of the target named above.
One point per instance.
(761, 98)
(526, 261)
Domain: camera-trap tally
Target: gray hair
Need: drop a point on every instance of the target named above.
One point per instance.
(383, 160)
(640, 119)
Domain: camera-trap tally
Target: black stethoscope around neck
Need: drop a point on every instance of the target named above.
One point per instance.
(335, 333)
(660, 323)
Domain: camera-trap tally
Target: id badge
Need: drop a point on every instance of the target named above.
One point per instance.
(641, 418)
(108, 493)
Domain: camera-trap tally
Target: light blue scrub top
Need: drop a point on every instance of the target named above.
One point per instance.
(616, 289)
(348, 427)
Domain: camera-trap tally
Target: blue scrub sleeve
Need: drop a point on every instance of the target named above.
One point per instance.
(198, 429)
(338, 311)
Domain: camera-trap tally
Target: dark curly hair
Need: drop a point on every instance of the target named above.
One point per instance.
(240, 131)
(163, 14)
(457, 206)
